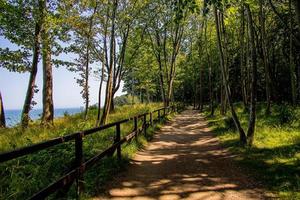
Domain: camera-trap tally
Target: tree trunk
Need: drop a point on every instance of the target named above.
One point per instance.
(47, 117)
(201, 90)
(2, 114)
(243, 138)
(33, 72)
(252, 119)
(109, 86)
(291, 60)
(99, 96)
(86, 84)
(211, 96)
(242, 55)
(265, 55)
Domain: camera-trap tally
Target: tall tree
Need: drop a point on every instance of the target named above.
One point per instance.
(110, 63)
(265, 55)
(235, 118)
(23, 31)
(48, 110)
(34, 67)
(252, 118)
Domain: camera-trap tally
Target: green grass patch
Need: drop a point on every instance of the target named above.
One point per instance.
(20, 178)
(274, 158)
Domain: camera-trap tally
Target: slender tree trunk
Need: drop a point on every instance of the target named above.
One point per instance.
(201, 90)
(211, 96)
(109, 86)
(2, 114)
(86, 84)
(225, 53)
(265, 57)
(252, 119)
(243, 138)
(242, 63)
(99, 95)
(33, 72)
(48, 111)
(162, 88)
(291, 60)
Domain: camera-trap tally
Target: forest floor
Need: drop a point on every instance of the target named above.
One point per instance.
(184, 161)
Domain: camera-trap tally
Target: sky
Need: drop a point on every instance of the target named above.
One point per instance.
(66, 92)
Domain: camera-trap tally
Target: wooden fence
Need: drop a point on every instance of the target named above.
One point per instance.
(76, 174)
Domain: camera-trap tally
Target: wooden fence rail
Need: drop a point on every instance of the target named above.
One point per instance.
(76, 174)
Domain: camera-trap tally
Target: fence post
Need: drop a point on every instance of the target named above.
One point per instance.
(151, 119)
(164, 111)
(118, 138)
(79, 160)
(145, 124)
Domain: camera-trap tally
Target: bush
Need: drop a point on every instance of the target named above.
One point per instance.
(286, 115)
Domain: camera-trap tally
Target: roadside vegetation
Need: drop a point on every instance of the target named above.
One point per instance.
(21, 178)
(274, 158)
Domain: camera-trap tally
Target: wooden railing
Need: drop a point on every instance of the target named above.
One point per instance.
(76, 174)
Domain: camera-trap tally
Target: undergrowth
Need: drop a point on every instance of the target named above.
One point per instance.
(20, 178)
(274, 158)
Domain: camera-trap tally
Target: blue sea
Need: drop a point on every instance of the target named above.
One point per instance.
(13, 117)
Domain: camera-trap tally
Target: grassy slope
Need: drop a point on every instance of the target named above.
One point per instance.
(275, 157)
(22, 177)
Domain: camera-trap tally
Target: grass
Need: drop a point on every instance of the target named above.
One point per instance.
(274, 158)
(20, 178)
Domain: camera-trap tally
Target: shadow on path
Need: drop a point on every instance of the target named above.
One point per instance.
(184, 161)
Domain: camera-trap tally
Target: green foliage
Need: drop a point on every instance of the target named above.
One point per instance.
(125, 100)
(274, 159)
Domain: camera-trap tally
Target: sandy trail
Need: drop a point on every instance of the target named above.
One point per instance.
(184, 161)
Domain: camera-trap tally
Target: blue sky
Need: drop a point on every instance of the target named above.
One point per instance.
(66, 92)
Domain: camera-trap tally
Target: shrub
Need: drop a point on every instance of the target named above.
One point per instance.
(286, 115)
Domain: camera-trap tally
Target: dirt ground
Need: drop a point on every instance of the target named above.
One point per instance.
(184, 161)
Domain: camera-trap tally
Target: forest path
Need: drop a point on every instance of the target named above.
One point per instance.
(184, 161)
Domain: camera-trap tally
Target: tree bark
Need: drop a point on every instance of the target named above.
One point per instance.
(34, 67)
(211, 96)
(252, 118)
(2, 114)
(242, 57)
(243, 138)
(99, 96)
(109, 86)
(291, 59)
(86, 83)
(47, 117)
(265, 55)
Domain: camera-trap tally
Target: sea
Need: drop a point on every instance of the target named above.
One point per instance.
(13, 117)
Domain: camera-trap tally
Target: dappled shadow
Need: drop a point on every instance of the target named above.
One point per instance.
(273, 165)
(184, 161)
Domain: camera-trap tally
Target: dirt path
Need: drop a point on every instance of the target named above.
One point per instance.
(184, 161)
